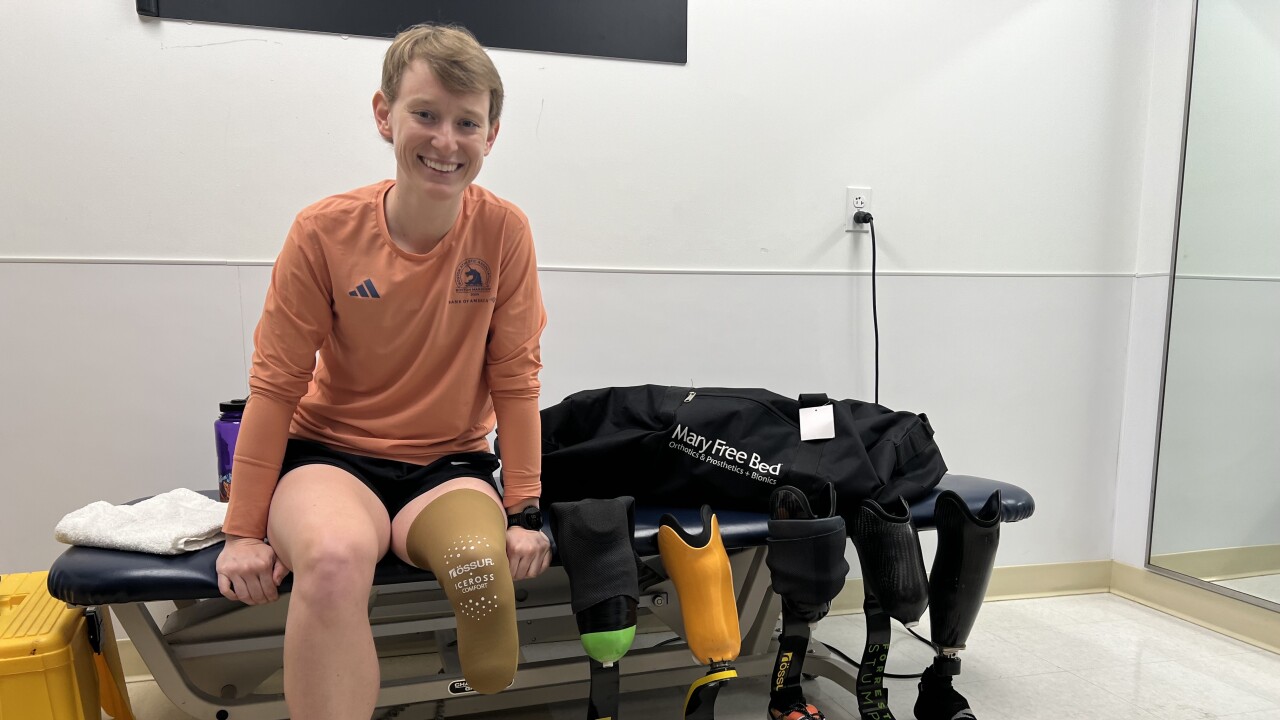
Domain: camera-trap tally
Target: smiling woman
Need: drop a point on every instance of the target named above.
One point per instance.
(438, 106)
(365, 429)
(629, 29)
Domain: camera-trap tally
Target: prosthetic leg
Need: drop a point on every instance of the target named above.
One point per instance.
(699, 567)
(807, 568)
(961, 570)
(895, 586)
(462, 538)
(594, 543)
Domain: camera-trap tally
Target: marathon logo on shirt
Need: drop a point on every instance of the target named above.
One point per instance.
(473, 283)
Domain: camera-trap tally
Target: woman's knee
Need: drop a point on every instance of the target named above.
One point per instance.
(325, 522)
(333, 567)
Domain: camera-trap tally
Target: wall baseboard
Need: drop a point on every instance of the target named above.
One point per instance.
(1223, 563)
(1220, 613)
(1012, 583)
(131, 662)
(1235, 618)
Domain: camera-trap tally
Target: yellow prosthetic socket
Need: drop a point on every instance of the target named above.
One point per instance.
(461, 537)
(699, 567)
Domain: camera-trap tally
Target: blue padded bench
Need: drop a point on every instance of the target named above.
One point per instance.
(211, 656)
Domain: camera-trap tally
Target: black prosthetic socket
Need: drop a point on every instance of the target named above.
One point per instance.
(807, 568)
(806, 552)
(891, 560)
(594, 543)
(962, 567)
(615, 613)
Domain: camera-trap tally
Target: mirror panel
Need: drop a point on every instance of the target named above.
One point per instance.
(1216, 512)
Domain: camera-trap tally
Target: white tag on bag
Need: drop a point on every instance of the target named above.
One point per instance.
(817, 423)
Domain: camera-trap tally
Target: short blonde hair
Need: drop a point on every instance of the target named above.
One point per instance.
(452, 53)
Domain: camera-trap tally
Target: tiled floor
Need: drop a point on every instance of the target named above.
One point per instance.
(1094, 657)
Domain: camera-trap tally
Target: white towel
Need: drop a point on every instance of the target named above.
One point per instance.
(175, 522)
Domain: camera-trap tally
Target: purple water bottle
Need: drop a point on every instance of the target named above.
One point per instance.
(225, 430)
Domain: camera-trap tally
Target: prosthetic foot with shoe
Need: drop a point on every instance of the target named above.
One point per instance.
(807, 570)
(897, 587)
(961, 570)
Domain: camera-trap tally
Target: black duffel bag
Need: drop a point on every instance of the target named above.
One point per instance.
(729, 448)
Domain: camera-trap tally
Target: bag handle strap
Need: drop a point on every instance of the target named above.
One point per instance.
(804, 469)
(813, 400)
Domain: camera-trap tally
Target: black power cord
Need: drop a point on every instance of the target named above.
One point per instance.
(936, 650)
(863, 217)
(895, 676)
(846, 658)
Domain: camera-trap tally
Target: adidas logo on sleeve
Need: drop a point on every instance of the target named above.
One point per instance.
(365, 290)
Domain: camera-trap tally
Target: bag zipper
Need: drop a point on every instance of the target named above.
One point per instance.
(761, 403)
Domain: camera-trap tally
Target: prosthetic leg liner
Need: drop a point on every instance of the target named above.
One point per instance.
(961, 570)
(462, 538)
(806, 554)
(699, 567)
(807, 566)
(891, 560)
(593, 539)
(962, 567)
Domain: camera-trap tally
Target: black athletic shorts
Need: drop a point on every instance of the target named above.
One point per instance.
(395, 483)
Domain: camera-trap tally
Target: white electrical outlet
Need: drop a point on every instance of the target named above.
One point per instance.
(855, 199)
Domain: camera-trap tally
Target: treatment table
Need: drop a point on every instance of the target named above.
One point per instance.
(213, 657)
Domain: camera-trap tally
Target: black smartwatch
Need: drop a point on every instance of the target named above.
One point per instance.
(529, 518)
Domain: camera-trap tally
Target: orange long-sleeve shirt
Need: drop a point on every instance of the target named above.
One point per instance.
(373, 350)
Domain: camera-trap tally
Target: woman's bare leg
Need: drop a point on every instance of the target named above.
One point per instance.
(330, 530)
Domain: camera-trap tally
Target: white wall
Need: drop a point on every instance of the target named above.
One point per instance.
(1135, 466)
(977, 125)
(1007, 145)
(1171, 38)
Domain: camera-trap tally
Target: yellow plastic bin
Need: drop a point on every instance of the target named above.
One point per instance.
(48, 667)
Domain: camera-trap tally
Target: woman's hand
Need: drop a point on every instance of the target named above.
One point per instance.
(528, 552)
(249, 571)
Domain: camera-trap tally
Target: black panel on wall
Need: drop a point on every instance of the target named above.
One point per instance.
(632, 29)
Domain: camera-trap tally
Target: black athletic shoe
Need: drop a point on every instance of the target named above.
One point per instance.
(939, 701)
